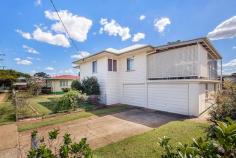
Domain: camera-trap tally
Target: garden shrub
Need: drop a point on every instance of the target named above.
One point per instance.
(76, 85)
(65, 90)
(223, 144)
(90, 86)
(67, 148)
(70, 100)
(225, 103)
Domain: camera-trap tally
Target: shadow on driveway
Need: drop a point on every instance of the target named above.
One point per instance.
(148, 117)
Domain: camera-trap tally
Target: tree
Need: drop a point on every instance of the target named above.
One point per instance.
(35, 85)
(41, 74)
(7, 77)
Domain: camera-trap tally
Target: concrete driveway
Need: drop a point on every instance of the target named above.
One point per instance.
(8, 141)
(104, 130)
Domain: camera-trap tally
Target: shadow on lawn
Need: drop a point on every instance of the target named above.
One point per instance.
(49, 104)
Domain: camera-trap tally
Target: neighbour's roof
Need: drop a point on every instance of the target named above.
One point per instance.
(20, 84)
(63, 77)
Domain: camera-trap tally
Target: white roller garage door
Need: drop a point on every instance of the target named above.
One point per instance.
(134, 94)
(168, 97)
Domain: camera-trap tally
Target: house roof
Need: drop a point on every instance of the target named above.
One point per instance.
(117, 51)
(126, 49)
(203, 41)
(63, 77)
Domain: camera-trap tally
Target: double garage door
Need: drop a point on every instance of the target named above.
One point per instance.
(164, 97)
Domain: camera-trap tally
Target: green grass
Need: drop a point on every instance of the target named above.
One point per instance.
(146, 145)
(23, 126)
(7, 113)
(43, 104)
(60, 118)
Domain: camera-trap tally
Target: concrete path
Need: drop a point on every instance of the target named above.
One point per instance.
(3, 97)
(101, 131)
(9, 141)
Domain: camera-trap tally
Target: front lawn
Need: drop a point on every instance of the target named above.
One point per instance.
(43, 104)
(7, 112)
(146, 145)
(62, 118)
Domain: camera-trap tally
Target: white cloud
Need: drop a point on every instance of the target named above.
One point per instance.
(229, 67)
(20, 61)
(138, 36)
(113, 28)
(226, 29)
(30, 49)
(26, 35)
(49, 68)
(142, 17)
(38, 2)
(30, 58)
(160, 24)
(234, 47)
(231, 63)
(77, 26)
(80, 55)
(48, 37)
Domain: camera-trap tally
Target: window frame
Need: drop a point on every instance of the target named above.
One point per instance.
(110, 65)
(130, 64)
(94, 66)
(114, 68)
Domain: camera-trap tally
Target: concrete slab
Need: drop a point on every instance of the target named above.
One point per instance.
(101, 131)
(8, 141)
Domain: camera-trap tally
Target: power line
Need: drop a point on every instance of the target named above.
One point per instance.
(66, 30)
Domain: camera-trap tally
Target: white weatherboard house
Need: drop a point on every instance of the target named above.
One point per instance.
(180, 77)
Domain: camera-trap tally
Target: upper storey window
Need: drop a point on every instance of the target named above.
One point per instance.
(112, 65)
(94, 66)
(130, 64)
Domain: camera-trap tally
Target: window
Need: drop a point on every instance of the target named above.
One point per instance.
(94, 66)
(112, 65)
(130, 64)
(109, 64)
(63, 83)
(49, 83)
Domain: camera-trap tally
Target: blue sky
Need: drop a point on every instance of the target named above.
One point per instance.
(34, 40)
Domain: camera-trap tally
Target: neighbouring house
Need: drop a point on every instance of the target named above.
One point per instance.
(20, 84)
(59, 82)
(179, 77)
(231, 78)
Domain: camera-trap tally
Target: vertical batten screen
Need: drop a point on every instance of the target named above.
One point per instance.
(179, 62)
